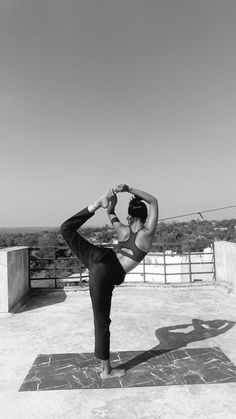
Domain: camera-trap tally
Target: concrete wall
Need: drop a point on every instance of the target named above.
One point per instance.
(225, 259)
(14, 276)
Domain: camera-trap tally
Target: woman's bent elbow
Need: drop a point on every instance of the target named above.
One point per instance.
(154, 201)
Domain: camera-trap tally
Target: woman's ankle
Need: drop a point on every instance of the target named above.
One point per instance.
(94, 207)
(101, 202)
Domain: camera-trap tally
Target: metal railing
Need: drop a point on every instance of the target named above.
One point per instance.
(60, 267)
(188, 270)
(47, 267)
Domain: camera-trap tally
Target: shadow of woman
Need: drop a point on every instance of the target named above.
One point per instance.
(170, 339)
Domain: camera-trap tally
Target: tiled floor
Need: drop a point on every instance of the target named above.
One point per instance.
(144, 369)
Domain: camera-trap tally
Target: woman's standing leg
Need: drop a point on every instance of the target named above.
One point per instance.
(101, 286)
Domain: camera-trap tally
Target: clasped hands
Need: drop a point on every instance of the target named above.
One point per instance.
(112, 194)
(121, 188)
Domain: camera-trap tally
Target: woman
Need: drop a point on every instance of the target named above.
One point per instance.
(108, 268)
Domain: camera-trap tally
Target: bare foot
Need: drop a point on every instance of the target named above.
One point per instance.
(103, 201)
(114, 373)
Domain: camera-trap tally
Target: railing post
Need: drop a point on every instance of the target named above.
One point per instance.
(80, 272)
(189, 263)
(214, 261)
(55, 267)
(144, 271)
(164, 256)
(29, 271)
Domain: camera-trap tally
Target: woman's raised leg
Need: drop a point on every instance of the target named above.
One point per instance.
(85, 251)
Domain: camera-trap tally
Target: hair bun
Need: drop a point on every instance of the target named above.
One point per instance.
(136, 201)
(137, 208)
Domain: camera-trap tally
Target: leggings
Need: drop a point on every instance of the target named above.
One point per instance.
(105, 271)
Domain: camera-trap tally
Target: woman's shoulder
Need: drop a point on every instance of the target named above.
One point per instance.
(144, 240)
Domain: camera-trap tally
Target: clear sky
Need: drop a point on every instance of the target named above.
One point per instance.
(99, 92)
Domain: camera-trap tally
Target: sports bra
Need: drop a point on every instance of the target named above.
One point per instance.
(129, 244)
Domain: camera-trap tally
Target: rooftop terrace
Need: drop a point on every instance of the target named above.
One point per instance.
(178, 345)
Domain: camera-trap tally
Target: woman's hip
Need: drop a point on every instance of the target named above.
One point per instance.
(107, 270)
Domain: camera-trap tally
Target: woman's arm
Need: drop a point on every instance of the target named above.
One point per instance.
(117, 225)
(150, 199)
(141, 194)
(112, 205)
(111, 209)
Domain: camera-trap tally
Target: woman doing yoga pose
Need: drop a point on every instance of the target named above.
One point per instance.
(107, 267)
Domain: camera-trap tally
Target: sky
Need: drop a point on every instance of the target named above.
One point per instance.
(94, 93)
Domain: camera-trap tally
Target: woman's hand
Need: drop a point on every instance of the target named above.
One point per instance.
(122, 188)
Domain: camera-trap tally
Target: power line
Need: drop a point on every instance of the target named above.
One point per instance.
(197, 213)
